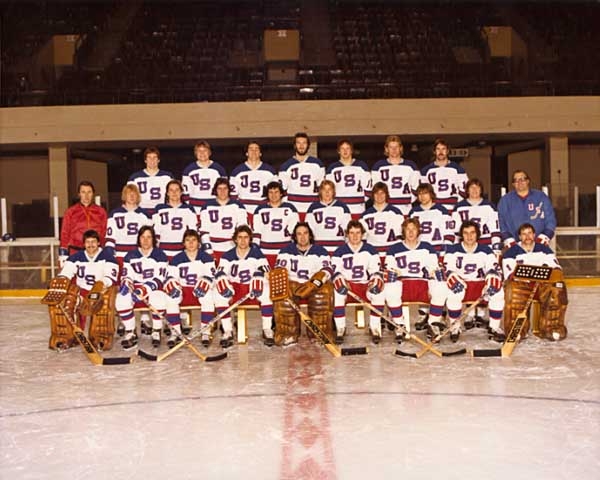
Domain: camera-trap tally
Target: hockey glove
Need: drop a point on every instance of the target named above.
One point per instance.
(126, 286)
(110, 251)
(390, 276)
(257, 284)
(439, 275)
(173, 288)
(509, 242)
(224, 287)
(339, 283)
(543, 239)
(455, 283)
(202, 287)
(140, 293)
(376, 284)
(493, 283)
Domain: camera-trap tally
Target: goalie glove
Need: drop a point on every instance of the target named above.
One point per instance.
(376, 284)
(313, 284)
(543, 239)
(493, 282)
(339, 283)
(126, 286)
(223, 286)
(456, 283)
(258, 283)
(202, 287)
(173, 288)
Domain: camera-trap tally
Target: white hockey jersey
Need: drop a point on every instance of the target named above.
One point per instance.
(273, 226)
(248, 184)
(302, 265)
(448, 183)
(103, 267)
(383, 228)
(515, 255)
(402, 181)
(218, 222)
(352, 183)
(141, 268)
(356, 266)
(122, 229)
(437, 227)
(470, 265)
(170, 223)
(328, 223)
(483, 214)
(302, 181)
(152, 188)
(409, 262)
(241, 270)
(188, 272)
(198, 183)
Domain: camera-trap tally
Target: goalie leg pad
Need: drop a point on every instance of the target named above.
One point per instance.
(320, 309)
(102, 325)
(516, 294)
(287, 323)
(61, 334)
(553, 305)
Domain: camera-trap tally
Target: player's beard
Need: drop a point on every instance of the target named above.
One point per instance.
(301, 153)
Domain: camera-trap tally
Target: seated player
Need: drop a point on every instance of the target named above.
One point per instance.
(193, 271)
(356, 267)
(472, 270)
(142, 282)
(552, 294)
(242, 270)
(412, 267)
(309, 269)
(91, 268)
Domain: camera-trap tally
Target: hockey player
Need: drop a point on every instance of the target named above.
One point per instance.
(241, 270)
(382, 221)
(151, 181)
(356, 267)
(124, 223)
(249, 179)
(274, 222)
(400, 175)
(301, 175)
(309, 269)
(328, 217)
(199, 177)
(219, 218)
(552, 294)
(351, 177)
(87, 267)
(143, 283)
(193, 270)
(525, 205)
(472, 270)
(484, 213)
(79, 218)
(447, 178)
(414, 275)
(172, 218)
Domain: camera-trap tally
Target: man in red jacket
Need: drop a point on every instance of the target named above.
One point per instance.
(79, 218)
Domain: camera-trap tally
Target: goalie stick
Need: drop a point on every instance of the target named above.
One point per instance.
(390, 321)
(280, 290)
(196, 332)
(90, 351)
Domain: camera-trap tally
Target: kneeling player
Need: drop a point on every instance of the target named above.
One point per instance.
(241, 270)
(472, 270)
(356, 268)
(552, 293)
(92, 268)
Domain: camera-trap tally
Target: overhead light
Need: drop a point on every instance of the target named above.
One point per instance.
(307, 90)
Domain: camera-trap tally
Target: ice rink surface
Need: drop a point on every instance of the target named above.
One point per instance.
(300, 413)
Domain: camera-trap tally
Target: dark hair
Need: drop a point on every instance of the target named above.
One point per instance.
(345, 140)
(380, 186)
(271, 186)
(355, 224)
(190, 233)
(221, 181)
(468, 224)
(151, 150)
(172, 182)
(426, 187)
(302, 135)
(440, 141)
(524, 226)
(144, 229)
(91, 234)
(311, 235)
(239, 229)
(474, 181)
(85, 183)
(415, 221)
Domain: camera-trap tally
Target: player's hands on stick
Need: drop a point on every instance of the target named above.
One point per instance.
(455, 283)
(202, 287)
(339, 283)
(258, 283)
(376, 284)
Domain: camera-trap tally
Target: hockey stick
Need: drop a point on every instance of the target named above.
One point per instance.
(196, 332)
(402, 327)
(280, 290)
(514, 335)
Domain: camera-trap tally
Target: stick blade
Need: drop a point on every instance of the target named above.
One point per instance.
(400, 353)
(117, 360)
(355, 351)
(495, 352)
(147, 356)
(216, 358)
(460, 351)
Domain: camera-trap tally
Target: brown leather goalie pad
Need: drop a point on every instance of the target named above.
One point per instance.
(320, 309)
(102, 325)
(287, 321)
(553, 307)
(312, 285)
(516, 294)
(61, 333)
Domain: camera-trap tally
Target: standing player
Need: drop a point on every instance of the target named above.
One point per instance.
(172, 219)
(308, 265)
(194, 269)
(412, 268)
(351, 177)
(274, 222)
(249, 179)
(356, 267)
(219, 218)
(526, 205)
(151, 181)
(472, 270)
(328, 217)
(301, 175)
(199, 177)
(382, 221)
(241, 270)
(400, 175)
(79, 218)
(142, 281)
(447, 178)
(124, 223)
